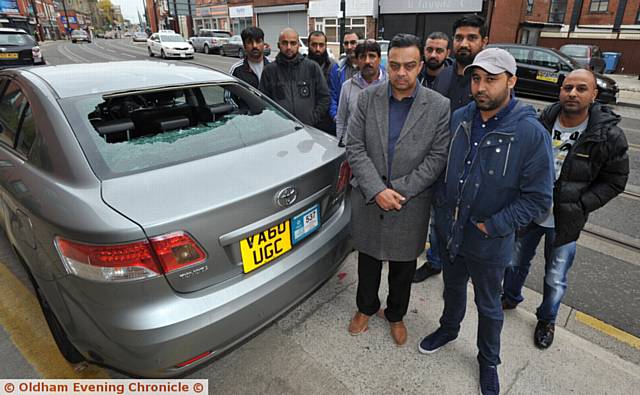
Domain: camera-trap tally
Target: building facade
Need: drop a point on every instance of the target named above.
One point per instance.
(212, 14)
(274, 15)
(613, 25)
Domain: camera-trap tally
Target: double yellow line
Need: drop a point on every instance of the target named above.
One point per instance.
(22, 319)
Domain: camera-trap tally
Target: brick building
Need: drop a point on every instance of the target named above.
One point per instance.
(613, 25)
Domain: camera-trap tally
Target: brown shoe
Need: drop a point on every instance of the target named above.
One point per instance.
(398, 332)
(359, 324)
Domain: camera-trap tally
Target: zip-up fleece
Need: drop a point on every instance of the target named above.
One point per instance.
(509, 184)
(595, 170)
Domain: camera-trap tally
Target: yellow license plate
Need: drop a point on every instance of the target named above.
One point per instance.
(547, 76)
(10, 55)
(263, 247)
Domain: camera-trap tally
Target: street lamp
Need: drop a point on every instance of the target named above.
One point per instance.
(35, 14)
(66, 18)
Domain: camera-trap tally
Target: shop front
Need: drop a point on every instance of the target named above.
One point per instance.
(424, 16)
(212, 17)
(241, 18)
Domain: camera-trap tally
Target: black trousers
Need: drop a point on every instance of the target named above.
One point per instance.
(400, 277)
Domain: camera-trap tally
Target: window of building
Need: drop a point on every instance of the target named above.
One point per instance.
(331, 26)
(529, 7)
(239, 24)
(557, 11)
(599, 6)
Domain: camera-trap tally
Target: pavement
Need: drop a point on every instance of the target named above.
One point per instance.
(629, 89)
(310, 351)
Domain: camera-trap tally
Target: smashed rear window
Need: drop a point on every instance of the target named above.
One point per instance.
(137, 131)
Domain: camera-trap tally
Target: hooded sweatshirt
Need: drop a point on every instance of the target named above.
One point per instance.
(349, 100)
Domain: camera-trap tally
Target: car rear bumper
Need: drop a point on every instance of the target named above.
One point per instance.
(608, 96)
(183, 326)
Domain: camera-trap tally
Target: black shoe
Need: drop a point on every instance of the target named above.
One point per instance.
(433, 342)
(543, 335)
(508, 304)
(424, 272)
(489, 382)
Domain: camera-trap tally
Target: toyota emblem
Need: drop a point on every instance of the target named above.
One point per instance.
(286, 197)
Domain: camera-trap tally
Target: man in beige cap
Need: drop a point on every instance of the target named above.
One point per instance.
(499, 177)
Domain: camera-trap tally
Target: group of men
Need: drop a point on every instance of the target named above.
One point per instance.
(445, 142)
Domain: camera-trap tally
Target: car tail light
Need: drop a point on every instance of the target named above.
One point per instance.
(118, 262)
(176, 250)
(130, 261)
(343, 176)
(35, 52)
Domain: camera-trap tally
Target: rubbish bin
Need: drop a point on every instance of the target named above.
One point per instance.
(611, 60)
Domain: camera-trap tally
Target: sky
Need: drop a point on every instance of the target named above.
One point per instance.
(130, 9)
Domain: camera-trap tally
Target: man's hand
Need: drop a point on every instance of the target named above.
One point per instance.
(389, 200)
(482, 228)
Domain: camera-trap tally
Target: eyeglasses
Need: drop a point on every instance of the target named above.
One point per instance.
(352, 42)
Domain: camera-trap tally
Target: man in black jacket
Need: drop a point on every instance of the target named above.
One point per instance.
(250, 68)
(592, 167)
(318, 53)
(295, 82)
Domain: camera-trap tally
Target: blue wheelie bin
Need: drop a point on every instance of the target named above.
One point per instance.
(611, 60)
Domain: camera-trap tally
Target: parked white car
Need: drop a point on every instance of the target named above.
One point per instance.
(167, 45)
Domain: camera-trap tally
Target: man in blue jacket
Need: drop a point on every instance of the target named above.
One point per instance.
(499, 177)
(343, 70)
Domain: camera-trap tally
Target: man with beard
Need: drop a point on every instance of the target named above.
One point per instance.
(368, 60)
(591, 168)
(469, 38)
(319, 54)
(295, 82)
(250, 68)
(343, 70)
(436, 57)
(397, 148)
(499, 177)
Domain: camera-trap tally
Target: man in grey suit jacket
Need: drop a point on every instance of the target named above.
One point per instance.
(397, 144)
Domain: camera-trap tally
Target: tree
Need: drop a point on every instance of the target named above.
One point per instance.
(106, 9)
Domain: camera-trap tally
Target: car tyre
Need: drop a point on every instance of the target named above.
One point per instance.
(151, 54)
(162, 54)
(206, 50)
(241, 53)
(74, 41)
(68, 350)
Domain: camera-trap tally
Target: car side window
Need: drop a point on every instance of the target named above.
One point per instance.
(28, 132)
(12, 106)
(520, 54)
(545, 59)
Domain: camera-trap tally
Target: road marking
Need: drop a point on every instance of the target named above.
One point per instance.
(22, 319)
(67, 54)
(67, 49)
(607, 329)
(634, 147)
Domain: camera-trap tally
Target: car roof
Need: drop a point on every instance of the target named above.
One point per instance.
(122, 76)
(11, 30)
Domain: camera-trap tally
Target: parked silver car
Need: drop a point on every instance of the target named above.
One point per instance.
(164, 213)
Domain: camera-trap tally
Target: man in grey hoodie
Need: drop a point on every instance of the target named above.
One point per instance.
(367, 56)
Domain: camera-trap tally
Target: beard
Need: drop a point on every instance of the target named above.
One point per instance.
(368, 72)
(465, 57)
(433, 64)
(486, 103)
(320, 59)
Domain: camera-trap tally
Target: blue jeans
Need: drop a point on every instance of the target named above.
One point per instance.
(558, 261)
(433, 253)
(487, 286)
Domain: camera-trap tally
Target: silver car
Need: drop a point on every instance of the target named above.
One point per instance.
(164, 213)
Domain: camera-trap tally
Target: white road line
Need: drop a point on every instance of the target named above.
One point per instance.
(67, 53)
(94, 52)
